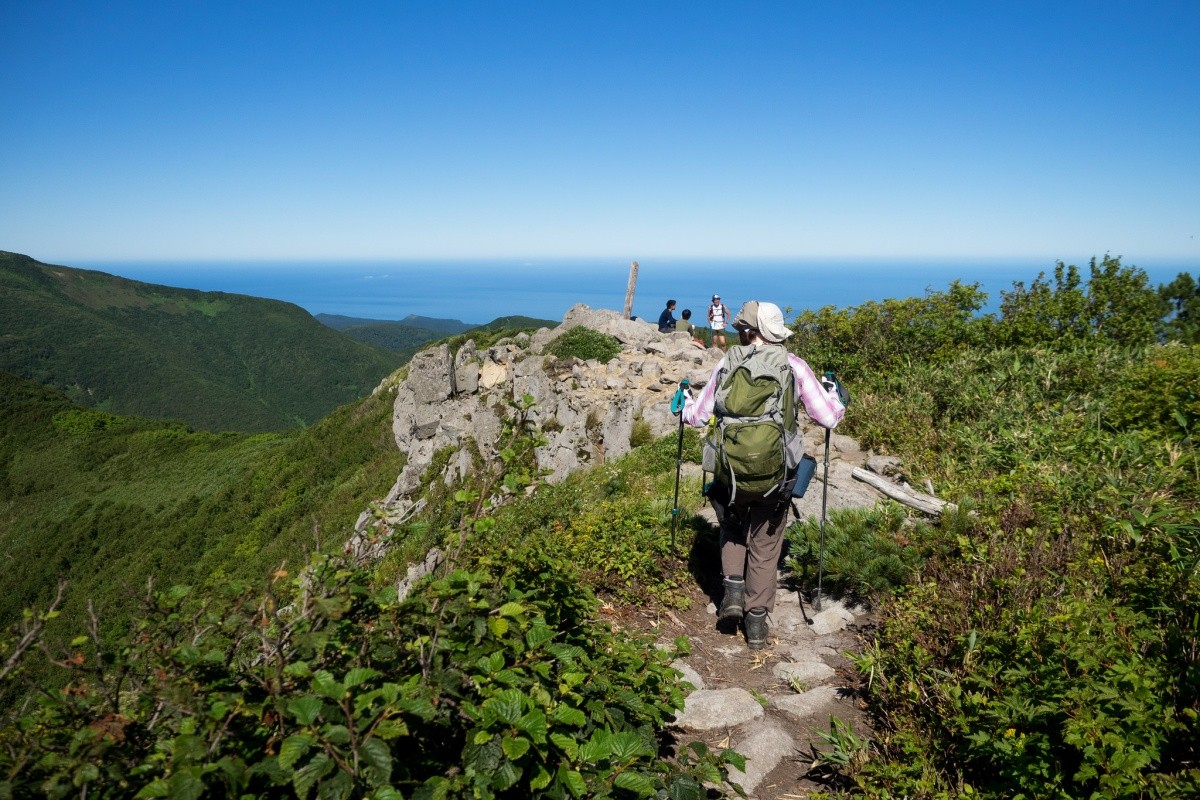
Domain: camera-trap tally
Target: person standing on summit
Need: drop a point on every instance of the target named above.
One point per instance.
(718, 317)
(755, 392)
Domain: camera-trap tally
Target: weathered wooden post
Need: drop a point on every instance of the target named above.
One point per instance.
(629, 290)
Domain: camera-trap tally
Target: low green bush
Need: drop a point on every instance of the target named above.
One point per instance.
(585, 344)
(867, 552)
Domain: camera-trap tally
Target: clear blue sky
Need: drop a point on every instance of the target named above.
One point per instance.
(189, 130)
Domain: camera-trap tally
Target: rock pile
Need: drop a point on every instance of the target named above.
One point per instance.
(585, 410)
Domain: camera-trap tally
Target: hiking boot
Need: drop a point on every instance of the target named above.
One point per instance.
(734, 600)
(756, 629)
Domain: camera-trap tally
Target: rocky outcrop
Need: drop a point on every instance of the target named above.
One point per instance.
(450, 408)
(454, 403)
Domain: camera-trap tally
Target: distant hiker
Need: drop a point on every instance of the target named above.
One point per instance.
(718, 317)
(752, 451)
(666, 320)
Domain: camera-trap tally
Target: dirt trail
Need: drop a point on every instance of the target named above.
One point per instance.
(769, 704)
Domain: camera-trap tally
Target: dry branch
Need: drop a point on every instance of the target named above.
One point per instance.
(918, 500)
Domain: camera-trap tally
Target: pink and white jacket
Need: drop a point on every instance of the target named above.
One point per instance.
(823, 407)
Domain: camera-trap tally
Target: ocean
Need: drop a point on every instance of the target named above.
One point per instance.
(480, 290)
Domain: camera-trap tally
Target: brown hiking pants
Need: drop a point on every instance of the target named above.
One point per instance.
(751, 543)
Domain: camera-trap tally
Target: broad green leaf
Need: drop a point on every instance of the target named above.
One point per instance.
(338, 734)
(515, 747)
(297, 669)
(386, 793)
(533, 725)
(506, 776)
(510, 677)
(360, 675)
(498, 626)
(328, 686)
(541, 778)
(511, 609)
(684, 788)
(538, 635)
(378, 757)
(292, 749)
(596, 749)
(506, 706)
(305, 709)
(634, 782)
(338, 787)
(627, 746)
(185, 785)
(306, 777)
(573, 780)
(567, 744)
(156, 788)
(188, 748)
(569, 715)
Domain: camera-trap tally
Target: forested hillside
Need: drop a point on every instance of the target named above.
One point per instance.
(217, 361)
(410, 335)
(107, 502)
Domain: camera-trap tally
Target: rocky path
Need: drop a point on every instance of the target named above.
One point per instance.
(769, 704)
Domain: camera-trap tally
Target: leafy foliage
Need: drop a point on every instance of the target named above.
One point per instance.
(1050, 647)
(1182, 300)
(877, 337)
(1118, 306)
(612, 522)
(489, 683)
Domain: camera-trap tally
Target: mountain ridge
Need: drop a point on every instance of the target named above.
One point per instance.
(215, 360)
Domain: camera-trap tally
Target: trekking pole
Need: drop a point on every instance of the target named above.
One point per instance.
(824, 502)
(831, 380)
(677, 408)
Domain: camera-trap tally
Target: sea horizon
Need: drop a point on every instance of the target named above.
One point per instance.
(476, 291)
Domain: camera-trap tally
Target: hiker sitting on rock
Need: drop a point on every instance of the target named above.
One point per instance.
(666, 320)
(685, 325)
(752, 452)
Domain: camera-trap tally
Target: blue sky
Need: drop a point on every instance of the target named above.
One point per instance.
(264, 130)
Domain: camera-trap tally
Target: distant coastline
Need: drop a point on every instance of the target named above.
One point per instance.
(477, 291)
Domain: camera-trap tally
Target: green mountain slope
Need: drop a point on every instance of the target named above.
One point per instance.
(105, 502)
(393, 336)
(214, 360)
(413, 333)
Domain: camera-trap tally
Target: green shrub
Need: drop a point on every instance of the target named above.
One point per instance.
(1159, 391)
(613, 522)
(490, 683)
(867, 552)
(586, 345)
(640, 433)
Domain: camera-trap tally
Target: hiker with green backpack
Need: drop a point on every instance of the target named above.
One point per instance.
(753, 449)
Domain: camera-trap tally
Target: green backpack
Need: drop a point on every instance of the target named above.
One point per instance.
(755, 445)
